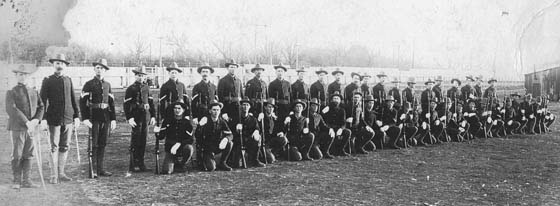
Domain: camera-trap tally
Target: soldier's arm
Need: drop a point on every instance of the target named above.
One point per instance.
(152, 107)
(127, 103)
(40, 108)
(163, 129)
(44, 94)
(221, 88)
(111, 101)
(12, 110)
(84, 98)
(73, 100)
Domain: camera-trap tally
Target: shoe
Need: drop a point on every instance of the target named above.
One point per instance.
(259, 164)
(328, 156)
(224, 167)
(104, 174)
(63, 177)
(29, 184)
(361, 151)
(142, 168)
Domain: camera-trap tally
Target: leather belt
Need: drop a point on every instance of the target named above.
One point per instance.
(99, 106)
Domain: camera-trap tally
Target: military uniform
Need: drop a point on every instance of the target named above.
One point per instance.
(335, 119)
(349, 92)
(378, 92)
(252, 145)
(138, 105)
(98, 106)
(409, 120)
(370, 119)
(389, 119)
(202, 93)
(335, 87)
(358, 127)
(210, 135)
(299, 142)
(323, 140)
(397, 96)
(177, 130)
(280, 90)
(318, 90)
(257, 92)
(170, 92)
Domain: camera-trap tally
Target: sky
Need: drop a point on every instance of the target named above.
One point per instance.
(458, 34)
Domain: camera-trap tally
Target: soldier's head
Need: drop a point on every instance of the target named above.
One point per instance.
(338, 76)
(459, 107)
(356, 78)
(300, 74)
(173, 74)
(269, 108)
(370, 104)
(321, 75)
(430, 85)
(365, 78)
(99, 70)
(178, 109)
(455, 82)
(357, 97)
(140, 77)
(205, 73)
(381, 77)
(299, 107)
(280, 73)
(492, 82)
(231, 68)
(245, 106)
(433, 105)
(336, 99)
(472, 105)
(215, 110)
(314, 108)
(389, 103)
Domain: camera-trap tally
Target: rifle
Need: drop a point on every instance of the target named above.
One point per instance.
(404, 126)
(430, 118)
(77, 145)
(381, 107)
(156, 150)
(90, 145)
(263, 139)
(242, 147)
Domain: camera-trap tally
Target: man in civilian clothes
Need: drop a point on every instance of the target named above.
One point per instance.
(62, 115)
(319, 88)
(280, 90)
(97, 98)
(25, 110)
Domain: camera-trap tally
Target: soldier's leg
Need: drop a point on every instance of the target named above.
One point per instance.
(235, 156)
(253, 151)
(531, 126)
(393, 132)
(343, 141)
(168, 163)
(186, 152)
(437, 131)
(64, 145)
(325, 142)
(104, 130)
(54, 132)
(141, 149)
(222, 165)
(410, 132)
(135, 139)
(27, 157)
(306, 144)
(276, 145)
(18, 141)
(378, 139)
(362, 138)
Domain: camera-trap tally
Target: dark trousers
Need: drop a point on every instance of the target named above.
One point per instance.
(362, 137)
(300, 145)
(283, 111)
(251, 146)
(138, 141)
(184, 153)
(209, 156)
(340, 142)
(100, 131)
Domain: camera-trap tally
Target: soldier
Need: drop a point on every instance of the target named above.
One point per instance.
(467, 91)
(299, 138)
(366, 90)
(477, 87)
(378, 90)
(473, 119)
(409, 118)
(140, 113)
(370, 119)
(389, 124)
(299, 88)
(511, 124)
(97, 104)
(427, 95)
(274, 137)
(525, 114)
(25, 111)
(357, 125)
(280, 90)
(335, 115)
(437, 87)
(230, 91)
(396, 93)
(453, 93)
(247, 135)
(319, 88)
(336, 85)
(203, 93)
(457, 127)
(62, 115)
(519, 113)
(408, 92)
(324, 135)
(540, 116)
(172, 91)
(352, 88)
(256, 91)
(178, 135)
(216, 137)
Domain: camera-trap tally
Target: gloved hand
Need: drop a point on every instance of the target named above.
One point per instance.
(463, 123)
(523, 118)
(428, 115)
(113, 124)
(437, 122)
(510, 122)
(472, 114)
(471, 96)
(424, 125)
(225, 117)
(291, 113)
(400, 126)
(522, 111)
(484, 113)
(539, 111)
(489, 112)
(454, 115)
(146, 107)
(76, 122)
(305, 130)
(503, 111)
(369, 129)
(325, 110)
(403, 116)
(489, 120)
(443, 118)
(465, 114)
(195, 121)
(152, 121)
(274, 116)
(385, 128)
(280, 134)
(339, 132)
(256, 135)
(379, 123)
(287, 120)
(175, 147)
(532, 116)
(461, 129)
(131, 122)
(203, 121)
(87, 123)
(157, 129)
(331, 132)
(349, 119)
(239, 127)
(261, 117)
(495, 122)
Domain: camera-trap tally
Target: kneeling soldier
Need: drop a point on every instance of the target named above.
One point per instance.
(299, 138)
(247, 135)
(389, 122)
(324, 135)
(274, 138)
(361, 132)
(215, 137)
(334, 117)
(177, 132)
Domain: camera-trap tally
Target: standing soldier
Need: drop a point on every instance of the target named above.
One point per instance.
(215, 136)
(62, 115)
(396, 93)
(172, 91)
(335, 118)
(25, 110)
(177, 132)
(336, 85)
(427, 95)
(300, 88)
(477, 87)
(408, 92)
(490, 92)
(365, 84)
(230, 91)
(437, 87)
(319, 88)
(203, 93)
(98, 99)
(324, 135)
(378, 90)
(139, 111)
(453, 93)
(280, 90)
(467, 91)
(299, 138)
(352, 88)
(256, 91)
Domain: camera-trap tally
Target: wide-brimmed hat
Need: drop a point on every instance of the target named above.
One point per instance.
(245, 100)
(390, 98)
(302, 69)
(479, 77)
(174, 66)
(364, 75)
(492, 80)
(280, 66)
(314, 101)
(101, 62)
(24, 69)
(515, 94)
(231, 62)
(336, 71)
(469, 77)
(439, 78)
(358, 93)
(299, 101)
(257, 67)
(355, 74)
(411, 80)
(456, 80)
(215, 102)
(369, 98)
(183, 105)
(395, 80)
(140, 70)
(60, 58)
(335, 94)
(270, 101)
(429, 81)
(205, 66)
(321, 70)
(381, 74)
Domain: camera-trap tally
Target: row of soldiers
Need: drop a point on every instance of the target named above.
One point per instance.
(262, 122)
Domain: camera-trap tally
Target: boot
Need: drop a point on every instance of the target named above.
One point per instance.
(170, 167)
(16, 169)
(255, 159)
(61, 164)
(54, 167)
(26, 181)
(100, 157)
(225, 154)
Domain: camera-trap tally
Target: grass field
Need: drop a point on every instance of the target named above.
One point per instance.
(519, 170)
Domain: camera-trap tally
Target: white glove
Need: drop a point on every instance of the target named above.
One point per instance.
(195, 121)
(175, 148)
(369, 129)
(274, 116)
(489, 120)
(532, 116)
(424, 125)
(461, 129)
(157, 129)
(349, 119)
(454, 115)
(203, 121)
(76, 122)
(287, 120)
(225, 117)
(463, 123)
(472, 114)
(146, 107)
(385, 128)
(403, 116)
(261, 117)
(256, 135)
(400, 126)
(152, 121)
(539, 111)
(489, 112)
(280, 134)
(471, 96)
(523, 118)
(437, 122)
(503, 111)
(331, 132)
(306, 120)
(484, 113)
(305, 130)
(339, 132)
(510, 122)
(428, 115)
(291, 113)
(443, 118)
(498, 108)
(495, 122)
(379, 123)
(465, 114)
(113, 124)
(523, 111)
(239, 127)
(325, 110)
(131, 122)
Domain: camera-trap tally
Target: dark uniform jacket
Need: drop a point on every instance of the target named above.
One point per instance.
(256, 90)
(389, 116)
(317, 124)
(213, 132)
(97, 96)
(230, 89)
(296, 126)
(408, 95)
(203, 93)
(396, 94)
(371, 117)
(250, 124)
(437, 91)
(272, 125)
(478, 91)
(299, 90)
(490, 92)
(170, 92)
(136, 96)
(365, 89)
(454, 94)
(57, 93)
(355, 111)
(466, 91)
(349, 92)
(335, 117)
(425, 98)
(319, 90)
(176, 131)
(335, 87)
(23, 104)
(378, 92)
(280, 90)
